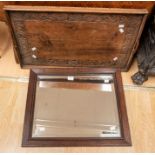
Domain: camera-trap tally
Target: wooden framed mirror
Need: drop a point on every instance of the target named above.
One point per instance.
(75, 107)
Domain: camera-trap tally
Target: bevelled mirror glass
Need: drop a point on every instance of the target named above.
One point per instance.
(77, 107)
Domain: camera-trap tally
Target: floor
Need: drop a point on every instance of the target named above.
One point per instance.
(13, 91)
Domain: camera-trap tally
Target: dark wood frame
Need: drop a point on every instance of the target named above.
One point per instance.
(125, 140)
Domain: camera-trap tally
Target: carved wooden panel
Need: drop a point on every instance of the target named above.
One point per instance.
(75, 38)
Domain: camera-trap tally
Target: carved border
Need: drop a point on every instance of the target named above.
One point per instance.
(18, 18)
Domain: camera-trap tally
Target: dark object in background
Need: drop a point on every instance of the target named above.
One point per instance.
(146, 53)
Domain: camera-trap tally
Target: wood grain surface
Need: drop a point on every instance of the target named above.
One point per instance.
(75, 36)
(139, 101)
(10, 69)
(140, 108)
(134, 5)
(81, 49)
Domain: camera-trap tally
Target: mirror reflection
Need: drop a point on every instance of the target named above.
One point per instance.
(76, 106)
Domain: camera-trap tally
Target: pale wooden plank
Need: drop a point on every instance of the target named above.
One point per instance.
(140, 108)
(75, 9)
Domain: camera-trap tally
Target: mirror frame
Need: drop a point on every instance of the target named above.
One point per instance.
(28, 140)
